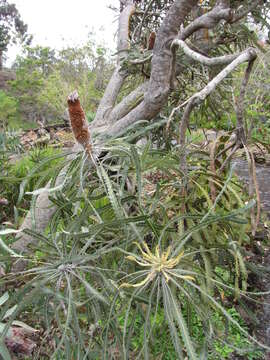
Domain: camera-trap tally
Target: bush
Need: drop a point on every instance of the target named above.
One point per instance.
(24, 169)
(8, 109)
(128, 250)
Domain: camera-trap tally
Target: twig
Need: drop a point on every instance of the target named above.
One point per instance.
(253, 184)
(227, 148)
(182, 133)
(236, 17)
(228, 159)
(248, 55)
(144, 16)
(241, 136)
(141, 61)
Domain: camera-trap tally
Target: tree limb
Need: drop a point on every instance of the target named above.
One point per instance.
(208, 20)
(240, 103)
(241, 14)
(220, 60)
(43, 212)
(113, 88)
(159, 84)
(248, 55)
(141, 61)
(129, 102)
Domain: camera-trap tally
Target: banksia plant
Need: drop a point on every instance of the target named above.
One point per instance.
(158, 263)
(151, 41)
(78, 122)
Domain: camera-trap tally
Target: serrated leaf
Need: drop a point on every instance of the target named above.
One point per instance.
(10, 312)
(8, 250)
(4, 351)
(4, 298)
(9, 231)
(24, 326)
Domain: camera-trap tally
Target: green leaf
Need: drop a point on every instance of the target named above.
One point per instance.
(10, 312)
(24, 326)
(4, 298)
(8, 250)
(137, 162)
(4, 351)
(91, 291)
(9, 231)
(108, 185)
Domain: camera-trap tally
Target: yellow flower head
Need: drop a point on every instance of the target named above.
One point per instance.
(158, 263)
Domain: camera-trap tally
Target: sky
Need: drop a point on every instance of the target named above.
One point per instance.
(60, 23)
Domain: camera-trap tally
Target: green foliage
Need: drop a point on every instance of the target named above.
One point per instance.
(30, 73)
(129, 254)
(43, 159)
(11, 26)
(45, 77)
(234, 337)
(139, 259)
(163, 346)
(17, 123)
(8, 109)
(9, 144)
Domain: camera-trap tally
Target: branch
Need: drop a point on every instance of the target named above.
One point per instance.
(182, 133)
(43, 212)
(139, 27)
(128, 103)
(220, 60)
(240, 103)
(123, 29)
(207, 61)
(113, 88)
(208, 20)
(248, 55)
(109, 98)
(159, 84)
(141, 61)
(236, 17)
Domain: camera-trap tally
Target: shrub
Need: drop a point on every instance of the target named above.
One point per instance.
(128, 249)
(8, 109)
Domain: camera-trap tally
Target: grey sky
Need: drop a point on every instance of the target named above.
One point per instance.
(58, 23)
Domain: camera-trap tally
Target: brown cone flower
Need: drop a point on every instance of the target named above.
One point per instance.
(78, 122)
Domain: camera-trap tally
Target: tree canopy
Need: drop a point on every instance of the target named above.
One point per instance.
(12, 27)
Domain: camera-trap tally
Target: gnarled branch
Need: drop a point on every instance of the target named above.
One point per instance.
(115, 84)
(248, 55)
(208, 20)
(220, 60)
(159, 84)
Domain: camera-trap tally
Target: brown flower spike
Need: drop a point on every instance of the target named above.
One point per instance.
(151, 41)
(78, 122)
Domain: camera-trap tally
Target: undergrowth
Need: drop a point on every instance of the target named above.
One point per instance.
(132, 263)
